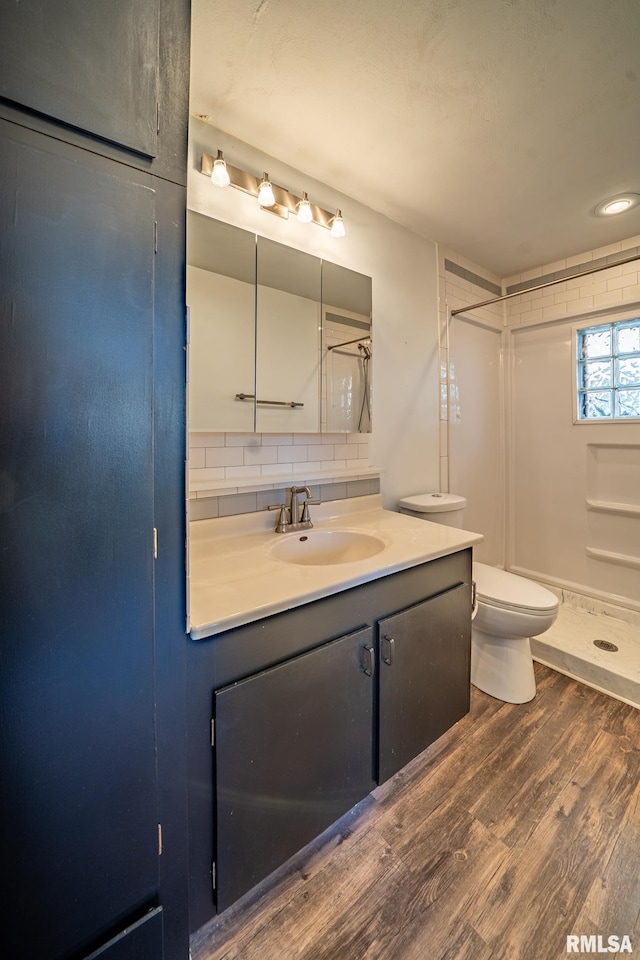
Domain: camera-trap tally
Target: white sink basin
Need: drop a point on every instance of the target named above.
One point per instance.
(317, 547)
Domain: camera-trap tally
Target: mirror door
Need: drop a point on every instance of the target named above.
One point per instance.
(221, 296)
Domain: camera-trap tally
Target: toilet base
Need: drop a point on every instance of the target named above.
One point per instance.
(501, 667)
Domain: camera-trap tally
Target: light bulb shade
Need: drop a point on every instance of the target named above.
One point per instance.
(266, 196)
(337, 225)
(305, 213)
(619, 204)
(616, 206)
(220, 174)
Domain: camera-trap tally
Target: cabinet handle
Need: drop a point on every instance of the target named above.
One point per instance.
(388, 655)
(369, 661)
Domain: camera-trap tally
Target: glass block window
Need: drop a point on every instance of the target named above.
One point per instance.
(609, 371)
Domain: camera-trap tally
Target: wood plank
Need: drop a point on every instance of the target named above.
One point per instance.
(613, 902)
(417, 873)
(553, 875)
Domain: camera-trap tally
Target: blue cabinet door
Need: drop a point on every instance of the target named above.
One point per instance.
(78, 817)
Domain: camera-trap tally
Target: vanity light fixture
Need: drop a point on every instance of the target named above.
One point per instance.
(266, 196)
(305, 213)
(619, 204)
(337, 225)
(271, 197)
(220, 175)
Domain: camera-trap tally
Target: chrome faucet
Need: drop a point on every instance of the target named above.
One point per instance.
(289, 516)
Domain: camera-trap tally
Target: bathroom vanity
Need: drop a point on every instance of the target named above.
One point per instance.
(339, 675)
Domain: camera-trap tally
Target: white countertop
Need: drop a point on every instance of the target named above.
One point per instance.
(234, 579)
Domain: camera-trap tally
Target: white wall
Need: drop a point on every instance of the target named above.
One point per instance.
(402, 265)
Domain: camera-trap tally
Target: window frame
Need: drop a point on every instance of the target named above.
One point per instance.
(588, 324)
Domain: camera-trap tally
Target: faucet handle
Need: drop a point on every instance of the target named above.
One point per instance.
(305, 518)
(283, 520)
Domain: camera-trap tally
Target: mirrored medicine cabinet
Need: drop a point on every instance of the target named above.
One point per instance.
(280, 340)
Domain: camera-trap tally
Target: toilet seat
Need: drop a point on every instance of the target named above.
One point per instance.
(507, 591)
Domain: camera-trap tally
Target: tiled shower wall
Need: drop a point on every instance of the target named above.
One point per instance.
(574, 487)
(610, 288)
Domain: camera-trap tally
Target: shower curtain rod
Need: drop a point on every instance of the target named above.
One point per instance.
(541, 286)
(335, 346)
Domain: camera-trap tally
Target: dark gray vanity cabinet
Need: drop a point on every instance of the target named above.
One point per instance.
(424, 658)
(306, 725)
(292, 753)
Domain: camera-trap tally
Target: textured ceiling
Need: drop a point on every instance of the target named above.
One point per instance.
(493, 126)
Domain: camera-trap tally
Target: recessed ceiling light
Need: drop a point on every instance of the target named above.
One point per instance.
(619, 204)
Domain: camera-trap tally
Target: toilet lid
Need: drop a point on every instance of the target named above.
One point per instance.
(499, 588)
(433, 502)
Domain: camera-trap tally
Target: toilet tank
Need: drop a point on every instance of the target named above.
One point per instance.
(445, 508)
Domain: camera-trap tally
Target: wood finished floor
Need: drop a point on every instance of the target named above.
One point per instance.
(518, 827)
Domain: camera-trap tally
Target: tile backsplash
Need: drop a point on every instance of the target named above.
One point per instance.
(239, 464)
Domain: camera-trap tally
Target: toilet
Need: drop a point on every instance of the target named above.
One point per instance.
(509, 610)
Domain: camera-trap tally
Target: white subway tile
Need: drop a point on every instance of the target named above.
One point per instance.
(444, 474)
(332, 438)
(196, 457)
(363, 451)
(607, 299)
(444, 439)
(258, 455)
(531, 316)
(242, 439)
(610, 273)
(240, 473)
(213, 473)
(554, 312)
(224, 456)
(580, 305)
(302, 438)
(353, 438)
(276, 439)
(276, 469)
(334, 464)
(346, 451)
(624, 280)
(632, 294)
(206, 439)
(292, 454)
(631, 267)
(316, 451)
(564, 296)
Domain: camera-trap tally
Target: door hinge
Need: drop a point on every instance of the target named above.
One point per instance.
(155, 236)
(213, 733)
(213, 875)
(155, 543)
(159, 839)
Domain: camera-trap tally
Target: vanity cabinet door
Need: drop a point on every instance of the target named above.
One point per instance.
(293, 752)
(425, 657)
